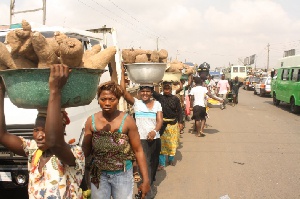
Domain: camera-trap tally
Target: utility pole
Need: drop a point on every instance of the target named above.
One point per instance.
(268, 46)
(12, 12)
(177, 54)
(157, 43)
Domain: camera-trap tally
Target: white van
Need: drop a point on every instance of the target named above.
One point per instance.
(235, 71)
(290, 61)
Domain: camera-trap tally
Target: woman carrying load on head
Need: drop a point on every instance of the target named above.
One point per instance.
(55, 167)
(172, 124)
(149, 119)
(112, 137)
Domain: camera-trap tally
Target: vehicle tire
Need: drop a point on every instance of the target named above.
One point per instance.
(247, 88)
(294, 108)
(275, 101)
(255, 93)
(261, 94)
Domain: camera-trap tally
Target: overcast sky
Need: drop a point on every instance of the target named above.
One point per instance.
(218, 32)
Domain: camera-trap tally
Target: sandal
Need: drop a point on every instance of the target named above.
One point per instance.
(172, 163)
(160, 167)
(201, 134)
(137, 177)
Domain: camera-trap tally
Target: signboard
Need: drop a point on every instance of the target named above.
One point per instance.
(246, 61)
(252, 59)
(289, 53)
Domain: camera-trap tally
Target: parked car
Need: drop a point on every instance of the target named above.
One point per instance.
(263, 87)
(251, 82)
(285, 87)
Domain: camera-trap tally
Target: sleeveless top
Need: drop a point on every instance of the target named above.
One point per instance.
(111, 152)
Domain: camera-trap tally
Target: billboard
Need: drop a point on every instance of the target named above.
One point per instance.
(252, 59)
(289, 53)
(246, 61)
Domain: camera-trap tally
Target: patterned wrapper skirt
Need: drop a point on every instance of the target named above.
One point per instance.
(170, 140)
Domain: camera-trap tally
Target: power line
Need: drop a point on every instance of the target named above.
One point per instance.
(154, 35)
(142, 32)
(138, 27)
(298, 41)
(109, 17)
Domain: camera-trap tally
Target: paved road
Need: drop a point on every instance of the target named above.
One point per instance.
(251, 150)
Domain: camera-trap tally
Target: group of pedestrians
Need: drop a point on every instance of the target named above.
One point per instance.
(204, 87)
(56, 169)
(113, 139)
(226, 88)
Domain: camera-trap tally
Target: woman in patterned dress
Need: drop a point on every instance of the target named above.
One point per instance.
(172, 124)
(55, 167)
(111, 136)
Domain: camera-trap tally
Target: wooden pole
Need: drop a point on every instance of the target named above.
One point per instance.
(44, 12)
(12, 6)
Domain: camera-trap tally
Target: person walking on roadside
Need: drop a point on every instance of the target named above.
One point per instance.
(172, 124)
(186, 85)
(55, 168)
(211, 84)
(181, 91)
(198, 95)
(112, 137)
(222, 89)
(149, 119)
(235, 85)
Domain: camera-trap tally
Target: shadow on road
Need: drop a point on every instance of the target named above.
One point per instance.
(179, 145)
(178, 156)
(283, 106)
(206, 130)
(160, 176)
(211, 131)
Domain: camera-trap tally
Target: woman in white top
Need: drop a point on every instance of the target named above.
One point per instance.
(149, 119)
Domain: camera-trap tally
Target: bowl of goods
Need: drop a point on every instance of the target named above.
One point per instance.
(29, 88)
(143, 73)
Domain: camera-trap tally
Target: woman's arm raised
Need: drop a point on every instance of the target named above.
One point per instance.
(127, 96)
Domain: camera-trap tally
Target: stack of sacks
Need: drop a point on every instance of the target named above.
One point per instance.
(28, 49)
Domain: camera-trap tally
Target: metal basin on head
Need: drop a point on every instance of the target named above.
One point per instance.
(29, 88)
(143, 73)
